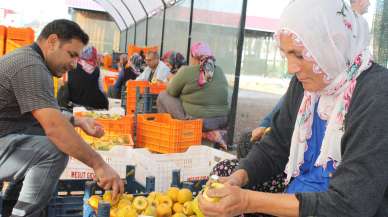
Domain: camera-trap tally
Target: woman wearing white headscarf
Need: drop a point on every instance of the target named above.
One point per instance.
(330, 135)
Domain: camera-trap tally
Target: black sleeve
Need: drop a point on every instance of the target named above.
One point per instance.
(359, 185)
(270, 156)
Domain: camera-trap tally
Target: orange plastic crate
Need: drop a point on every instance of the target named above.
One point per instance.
(155, 88)
(121, 128)
(3, 36)
(11, 45)
(2, 46)
(162, 134)
(109, 81)
(107, 61)
(21, 34)
(3, 32)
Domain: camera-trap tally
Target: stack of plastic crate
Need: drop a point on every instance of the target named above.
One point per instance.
(18, 37)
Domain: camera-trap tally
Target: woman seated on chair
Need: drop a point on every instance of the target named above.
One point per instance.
(199, 90)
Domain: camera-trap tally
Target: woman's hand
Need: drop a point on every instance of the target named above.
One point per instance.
(238, 178)
(233, 201)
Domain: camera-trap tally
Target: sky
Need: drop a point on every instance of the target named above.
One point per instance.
(273, 8)
(43, 11)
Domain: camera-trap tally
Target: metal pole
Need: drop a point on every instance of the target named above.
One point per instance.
(240, 45)
(190, 29)
(146, 33)
(134, 20)
(118, 12)
(126, 40)
(163, 26)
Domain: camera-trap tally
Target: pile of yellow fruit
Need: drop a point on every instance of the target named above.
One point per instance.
(107, 142)
(97, 115)
(174, 202)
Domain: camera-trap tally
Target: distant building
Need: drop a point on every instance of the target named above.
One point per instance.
(102, 30)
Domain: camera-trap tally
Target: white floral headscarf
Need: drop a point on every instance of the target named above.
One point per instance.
(336, 40)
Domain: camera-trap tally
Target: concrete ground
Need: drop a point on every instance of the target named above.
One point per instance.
(252, 106)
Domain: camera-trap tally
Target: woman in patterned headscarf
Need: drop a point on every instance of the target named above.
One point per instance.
(198, 91)
(84, 85)
(330, 134)
(128, 70)
(174, 60)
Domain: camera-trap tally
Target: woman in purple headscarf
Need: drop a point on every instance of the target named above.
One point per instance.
(199, 90)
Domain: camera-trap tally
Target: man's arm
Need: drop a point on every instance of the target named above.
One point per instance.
(59, 130)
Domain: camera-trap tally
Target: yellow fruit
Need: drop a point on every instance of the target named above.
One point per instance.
(179, 215)
(196, 209)
(188, 208)
(177, 208)
(140, 203)
(163, 210)
(184, 195)
(172, 192)
(126, 211)
(107, 197)
(113, 212)
(166, 200)
(94, 200)
(150, 211)
(214, 185)
(126, 196)
(123, 203)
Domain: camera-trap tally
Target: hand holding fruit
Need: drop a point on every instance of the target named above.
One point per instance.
(238, 178)
(108, 179)
(225, 201)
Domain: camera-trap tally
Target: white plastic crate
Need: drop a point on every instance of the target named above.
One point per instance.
(118, 158)
(194, 164)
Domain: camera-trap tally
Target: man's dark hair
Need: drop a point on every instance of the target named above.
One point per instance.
(65, 30)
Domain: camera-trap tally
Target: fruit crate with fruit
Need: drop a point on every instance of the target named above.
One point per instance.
(177, 200)
(131, 98)
(118, 130)
(195, 164)
(117, 157)
(71, 194)
(162, 134)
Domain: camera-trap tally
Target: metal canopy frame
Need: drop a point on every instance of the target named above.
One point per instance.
(127, 13)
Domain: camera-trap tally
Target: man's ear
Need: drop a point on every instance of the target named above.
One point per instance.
(52, 41)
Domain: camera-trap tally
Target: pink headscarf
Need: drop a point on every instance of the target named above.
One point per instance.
(88, 59)
(201, 51)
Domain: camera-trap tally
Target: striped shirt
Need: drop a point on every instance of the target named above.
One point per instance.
(25, 85)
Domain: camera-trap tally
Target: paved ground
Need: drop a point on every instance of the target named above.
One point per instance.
(252, 106)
